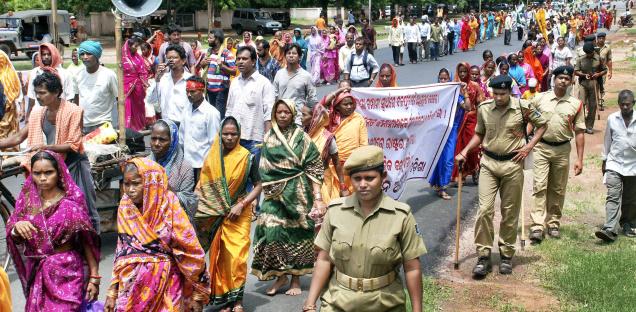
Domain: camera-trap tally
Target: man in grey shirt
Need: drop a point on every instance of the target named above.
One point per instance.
(294, 82)
(362, 66)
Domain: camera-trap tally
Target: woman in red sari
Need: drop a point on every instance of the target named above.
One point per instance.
(135, 84)
(530, 58)
(465, 34)
(467, 129)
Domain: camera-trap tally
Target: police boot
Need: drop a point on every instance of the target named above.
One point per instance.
(536, 236)
(483, 267)
(505, 265)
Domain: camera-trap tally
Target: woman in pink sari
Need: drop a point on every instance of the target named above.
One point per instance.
(135, 84)
(329, 62)
(50, 238)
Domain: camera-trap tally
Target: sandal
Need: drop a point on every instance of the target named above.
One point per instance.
(443, 195)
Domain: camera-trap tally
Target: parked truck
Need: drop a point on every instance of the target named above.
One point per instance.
(24, 31)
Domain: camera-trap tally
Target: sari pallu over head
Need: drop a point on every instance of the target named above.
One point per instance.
(66, 221)
(158, 261)
(286, 158)
(223, 177)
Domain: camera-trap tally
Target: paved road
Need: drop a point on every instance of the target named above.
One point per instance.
(435, 216)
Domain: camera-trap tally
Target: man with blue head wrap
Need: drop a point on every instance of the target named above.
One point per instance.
(91, 47)
(96, 86)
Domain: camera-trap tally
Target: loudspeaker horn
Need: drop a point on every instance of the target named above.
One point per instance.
(137, 8)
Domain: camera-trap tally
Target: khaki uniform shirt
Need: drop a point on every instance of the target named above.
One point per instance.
(589, 65)
(563, 115)
(606, 54)
(503, 129)
(368, 248)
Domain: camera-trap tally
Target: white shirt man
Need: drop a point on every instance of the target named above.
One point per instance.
(425, 29)
(197, 130)
(171, 96)
(250, 101)
(344, 53)
(97, 96)
(68, 86)
(412, 33)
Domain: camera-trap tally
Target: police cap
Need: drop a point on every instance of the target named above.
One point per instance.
(364, 158)
(501, 82)
(564, 70)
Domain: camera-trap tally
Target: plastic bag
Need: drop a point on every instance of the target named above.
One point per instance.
(102, 135)
(95, 306)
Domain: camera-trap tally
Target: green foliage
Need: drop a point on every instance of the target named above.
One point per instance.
(83, 7)
(588, 275)
(21, 5)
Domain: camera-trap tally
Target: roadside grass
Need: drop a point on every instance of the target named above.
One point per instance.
(432, 297)
(592, 161)
(587, 275)
(630, 31)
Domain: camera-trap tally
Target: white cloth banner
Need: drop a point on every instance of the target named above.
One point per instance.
(411, 124)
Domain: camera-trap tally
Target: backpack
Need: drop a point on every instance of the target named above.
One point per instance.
(364, 61)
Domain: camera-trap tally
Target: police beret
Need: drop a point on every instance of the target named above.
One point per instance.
(501, 82)
(564, 70)
(601, 34)
(589, 38)
(588, 47)
(364, 158)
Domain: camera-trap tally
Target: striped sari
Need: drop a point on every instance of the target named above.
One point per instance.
(159, 263)
(223, 183)
(283, 240)
(323, 139)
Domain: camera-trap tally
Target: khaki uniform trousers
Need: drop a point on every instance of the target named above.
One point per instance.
(588, 95)
(551, 165)
(505, 177)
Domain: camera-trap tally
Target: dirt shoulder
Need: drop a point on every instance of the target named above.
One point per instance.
(526, 289)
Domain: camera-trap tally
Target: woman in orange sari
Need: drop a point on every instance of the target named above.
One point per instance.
(349, 128)
(530, 58)
(159, 263)
(315, 122)
(387, 77)
(277, 47)
(474, 30)
(12, 95)
(467, 128)
(224, 215)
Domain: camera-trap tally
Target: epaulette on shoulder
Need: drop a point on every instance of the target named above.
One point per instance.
(337, 201)
(486, 102)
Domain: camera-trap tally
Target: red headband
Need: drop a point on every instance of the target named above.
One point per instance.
(194, 85)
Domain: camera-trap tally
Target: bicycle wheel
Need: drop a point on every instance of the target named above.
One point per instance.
(4, 250)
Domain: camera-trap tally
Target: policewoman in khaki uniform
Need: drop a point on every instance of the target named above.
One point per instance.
(566, 121)
(588, 68)
(364, 240)
(501, 122)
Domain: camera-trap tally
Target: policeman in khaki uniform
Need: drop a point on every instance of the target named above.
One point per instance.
(500, 130)
(364, 240)
(605, 52)
(589, 68)
(566, 120)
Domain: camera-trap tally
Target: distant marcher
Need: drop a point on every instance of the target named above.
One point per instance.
(619, 169)
(51, 60)
(362, 67)
(294, 82)
(266, 64)
(135, 84)
(221, 65)
(174, 37)
(387, 77)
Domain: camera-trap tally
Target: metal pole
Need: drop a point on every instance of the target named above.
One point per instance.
(54, 34)
(370, 14)
(210, 16)
(479, 6)
(120, 81)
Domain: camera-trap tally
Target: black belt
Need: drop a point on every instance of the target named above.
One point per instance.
(554, 143)
(359, 81)
(504, 157)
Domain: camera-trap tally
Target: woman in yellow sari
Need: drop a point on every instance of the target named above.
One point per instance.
(349, 128)
(474, 29)
(224, 215)
(12, 95)
(315, 122)
(159, 264)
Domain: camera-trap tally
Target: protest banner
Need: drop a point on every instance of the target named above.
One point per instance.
(411, 124)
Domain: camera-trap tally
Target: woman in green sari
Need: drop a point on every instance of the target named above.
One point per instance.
(291, 171)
